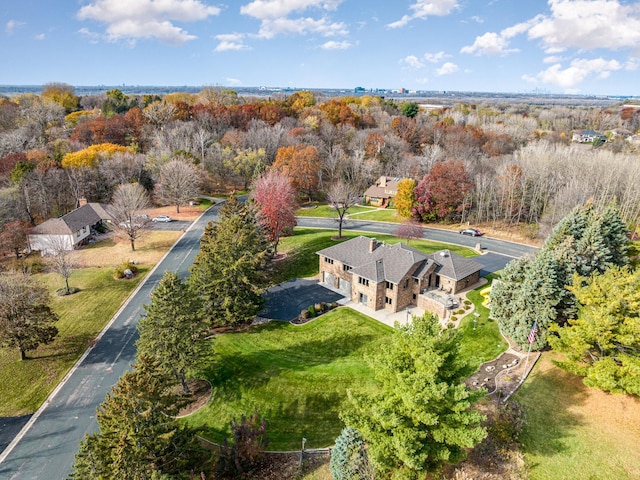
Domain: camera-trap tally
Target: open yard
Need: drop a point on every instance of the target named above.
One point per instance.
(577, 432)
(294, 376)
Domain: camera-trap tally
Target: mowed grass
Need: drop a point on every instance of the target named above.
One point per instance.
(573, 431)
(386, 215)
(326, 211)
(26, 384)
(297, 377)
(483, 343)
(301, 248)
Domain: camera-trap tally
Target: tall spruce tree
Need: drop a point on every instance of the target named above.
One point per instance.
(349, 459)
(138, 435)
(420, 415)
(228, 273)
(171, 330)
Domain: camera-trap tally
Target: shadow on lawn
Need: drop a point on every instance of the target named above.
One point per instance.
(547, 399)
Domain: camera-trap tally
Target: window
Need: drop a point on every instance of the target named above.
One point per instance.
(363, 281)
(416, 281)
(389, 285)
(388, 301)
(346, 267)
(415, 296)
(328, 260)
(406, 283)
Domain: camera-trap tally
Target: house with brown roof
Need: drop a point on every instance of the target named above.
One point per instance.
(69, 230)
(382, 193)
(393, 277)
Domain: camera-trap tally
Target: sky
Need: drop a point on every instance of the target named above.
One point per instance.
(589, 47)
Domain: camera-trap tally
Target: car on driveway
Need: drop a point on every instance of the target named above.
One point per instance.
(474, 232)
(162, 218)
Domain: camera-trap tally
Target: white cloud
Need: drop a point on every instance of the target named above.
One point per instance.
(579, 69)
(226, 45)
(435, 57)
(233, 81)
(447, 69)
(477, 19)
(490, 43)
(412, 62)
(11, 25)
(263, 9)
(333, 45)
(426, 8)
(40, 36)
(133, 19)
(553, 59)
(300, 26)
(92, 36)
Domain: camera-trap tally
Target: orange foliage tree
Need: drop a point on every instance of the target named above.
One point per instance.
(88, 157)
(302, 164)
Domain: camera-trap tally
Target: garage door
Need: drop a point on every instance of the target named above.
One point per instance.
(344, 286)
(328, 279)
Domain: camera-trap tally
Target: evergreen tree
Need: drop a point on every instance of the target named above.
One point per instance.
(138, 434)
(420, 415)
(603, 343)
(171, 330)
(349, 459)
(228, 272)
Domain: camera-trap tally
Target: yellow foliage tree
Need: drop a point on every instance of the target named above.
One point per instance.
(405, 199)
(88, 157)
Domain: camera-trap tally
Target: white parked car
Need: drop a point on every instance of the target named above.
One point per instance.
(162, 218)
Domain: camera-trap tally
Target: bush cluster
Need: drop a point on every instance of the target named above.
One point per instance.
(120, 269)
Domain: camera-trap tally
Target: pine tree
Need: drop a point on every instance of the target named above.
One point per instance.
(420, 415)
(138, 434)
(171, 330)
(349, 459)
(228, 273)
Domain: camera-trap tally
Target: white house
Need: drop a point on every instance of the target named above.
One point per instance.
(68, 230)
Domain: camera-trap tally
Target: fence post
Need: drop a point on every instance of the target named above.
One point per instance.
(301, 454)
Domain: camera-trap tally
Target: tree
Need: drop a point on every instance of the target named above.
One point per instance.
(228, 271)
(349, 459)
(443, 192)
(128, 200)
(139, 436)
(62, 94)
(420, 415)
(404, 200)
(171, 330)
(276, 202)
(246, 448)
(62, 260)
(341, 197)
(89, 157)
(14, 236)
(603, 343)
(246, 163)
(302, 164)
(409, 109)
(26, 320)
(178, 183)
(408, 229)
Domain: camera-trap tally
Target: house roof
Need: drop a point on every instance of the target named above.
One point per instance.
(76, 220)
(393, 262)
(382, 188)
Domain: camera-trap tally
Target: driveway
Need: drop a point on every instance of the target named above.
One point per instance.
(286, 300)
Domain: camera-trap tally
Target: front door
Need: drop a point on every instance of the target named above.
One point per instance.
(362, 298)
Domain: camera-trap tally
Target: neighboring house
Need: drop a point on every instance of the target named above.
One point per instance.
(69, 230)
(382, 192)
(394, 277)
(587, 136)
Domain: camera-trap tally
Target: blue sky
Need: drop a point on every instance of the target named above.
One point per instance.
(560, 46)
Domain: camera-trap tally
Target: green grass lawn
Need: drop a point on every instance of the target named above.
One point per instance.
(325, 211)
(386, 215)
(294, 376)
(302, 246)
(26, 384)
(483, 343)
(573, 431)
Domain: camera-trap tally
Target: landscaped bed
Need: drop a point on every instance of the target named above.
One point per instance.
(295, 376)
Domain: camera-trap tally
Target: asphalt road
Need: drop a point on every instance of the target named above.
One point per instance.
(46, 447)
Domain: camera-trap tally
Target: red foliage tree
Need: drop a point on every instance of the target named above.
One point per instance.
(409, 229)
(14, 236)
(276, 202)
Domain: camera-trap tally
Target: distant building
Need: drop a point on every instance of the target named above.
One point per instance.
(587, 136)
(382, 193)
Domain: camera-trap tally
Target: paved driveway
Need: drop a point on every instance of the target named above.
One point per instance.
(286, 300)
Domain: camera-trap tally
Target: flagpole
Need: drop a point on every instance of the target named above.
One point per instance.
(526, 363)
(531, 338)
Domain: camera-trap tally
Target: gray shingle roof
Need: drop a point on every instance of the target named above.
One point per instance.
(393, 262)
(76, 220)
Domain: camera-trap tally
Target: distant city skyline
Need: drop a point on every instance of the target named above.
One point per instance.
(589, 47)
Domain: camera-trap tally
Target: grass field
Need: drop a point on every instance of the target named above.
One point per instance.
(26, 384)
(577, 432)
(325, 211)
(294, 376)
(386, 215)
(301, 248)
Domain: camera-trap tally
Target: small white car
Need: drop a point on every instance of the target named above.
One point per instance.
(162, 218)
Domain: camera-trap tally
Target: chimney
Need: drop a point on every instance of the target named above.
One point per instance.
(82, 201)
(383, 181)
(372, 244)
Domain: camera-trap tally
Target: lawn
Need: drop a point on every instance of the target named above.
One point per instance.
(386, 215)
(294, 376)
(301, 248)
(484, 342)
(325, 211)
(26, 384)
(574, 431)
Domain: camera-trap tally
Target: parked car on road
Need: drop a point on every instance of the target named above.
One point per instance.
(162, 218)
(474, 232)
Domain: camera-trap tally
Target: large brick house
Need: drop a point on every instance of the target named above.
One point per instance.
(382, 193)
(393, 277)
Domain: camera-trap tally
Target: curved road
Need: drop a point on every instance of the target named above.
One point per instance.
(46, 447)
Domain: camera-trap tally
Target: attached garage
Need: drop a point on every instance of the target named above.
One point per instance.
(344, 286)
(328, 279)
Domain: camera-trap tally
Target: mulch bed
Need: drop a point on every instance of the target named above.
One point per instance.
(485, 376)
(199, 396)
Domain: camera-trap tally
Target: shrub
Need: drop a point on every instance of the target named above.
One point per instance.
(323, 306)
(334, 304)
(312, 311)
(304, 314)
(460, 311)
(467, 303)
(453, 318)
(120, 269)
(349, 460)
(245, 449)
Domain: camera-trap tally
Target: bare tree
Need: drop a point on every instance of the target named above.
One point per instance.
(342, 196)
(178, 183)
(128, 201)
(409, 229)
(62, 260)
